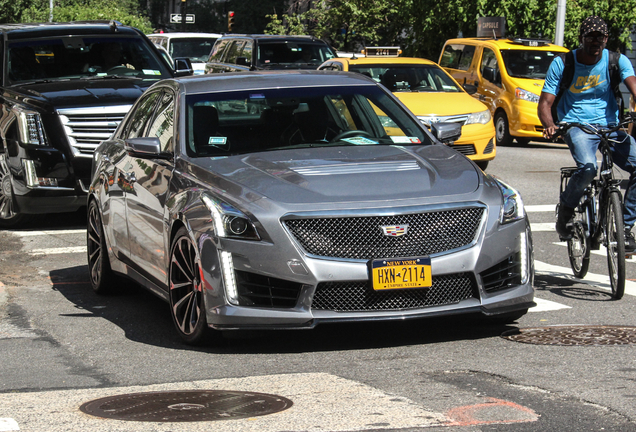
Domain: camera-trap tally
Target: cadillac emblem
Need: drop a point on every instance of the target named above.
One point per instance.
(394, 230)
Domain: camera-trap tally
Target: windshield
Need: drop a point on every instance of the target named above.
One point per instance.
(531, 64)
(284, 54)
(229, 123)
(74, 57)
(409, 78)
(196, 49)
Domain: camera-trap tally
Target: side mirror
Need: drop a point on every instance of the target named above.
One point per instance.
(183, 67)
(243, 61)
(447, 133)
(148, 147)
(470, 89)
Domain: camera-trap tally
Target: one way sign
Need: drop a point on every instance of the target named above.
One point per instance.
(176, 18)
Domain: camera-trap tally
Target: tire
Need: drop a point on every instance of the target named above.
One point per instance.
(10, 216)
(502, 131)
(187, 303)
(579, 245)
(615, 244)
(103, 280)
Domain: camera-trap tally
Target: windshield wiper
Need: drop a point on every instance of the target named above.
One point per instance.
(40, 81)
(96, 77)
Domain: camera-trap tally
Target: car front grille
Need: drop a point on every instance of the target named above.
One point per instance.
(363, 237)
(359, 297)
(505, 274)
(87, 127)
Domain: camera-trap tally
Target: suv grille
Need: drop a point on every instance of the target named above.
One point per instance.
(87, 127)
(358, 296)
(362, 237)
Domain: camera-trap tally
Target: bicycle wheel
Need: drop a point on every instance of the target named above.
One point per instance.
(579, 244)
(615, 243)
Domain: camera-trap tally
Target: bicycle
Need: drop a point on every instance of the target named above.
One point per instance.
(598, 219)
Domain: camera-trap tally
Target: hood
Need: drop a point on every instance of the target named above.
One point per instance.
(79, 93)
(440, 103)
(348, 174)
(532, 85)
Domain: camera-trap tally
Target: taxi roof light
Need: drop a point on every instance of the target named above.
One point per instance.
(530, 42)
(381, 51)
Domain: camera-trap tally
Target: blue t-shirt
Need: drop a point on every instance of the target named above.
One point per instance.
(589, 99)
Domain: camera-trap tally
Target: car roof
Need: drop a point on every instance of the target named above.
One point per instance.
(255, 80)
(265, 37)
(508, 43)
(179, 35)
(383, 60)
(39, 30)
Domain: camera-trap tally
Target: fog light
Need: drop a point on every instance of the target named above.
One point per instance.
(228, 276)
(32, 180)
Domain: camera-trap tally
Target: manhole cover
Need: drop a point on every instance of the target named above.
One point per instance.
(186, 406)
(574, 335)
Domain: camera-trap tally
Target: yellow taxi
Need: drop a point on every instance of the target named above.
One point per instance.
(509, 76)
(430, 93)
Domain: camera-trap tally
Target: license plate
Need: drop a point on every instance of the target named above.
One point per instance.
(401, 273)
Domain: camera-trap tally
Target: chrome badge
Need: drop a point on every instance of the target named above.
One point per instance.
(394, 230)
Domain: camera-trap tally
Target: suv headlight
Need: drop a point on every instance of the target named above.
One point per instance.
(482, 117)
(512, 206)
(526, 95)
(228, 221)
(31, 129)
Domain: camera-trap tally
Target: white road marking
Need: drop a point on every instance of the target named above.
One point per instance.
(540, 208)
(547, 305)
(8, 424)
(599, 281)
(352, 406)
(542, 227)
(57, 251)
(51, 233)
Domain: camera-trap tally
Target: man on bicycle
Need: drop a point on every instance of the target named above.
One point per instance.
(590, 100)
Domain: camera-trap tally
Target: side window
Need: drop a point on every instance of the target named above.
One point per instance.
(467, 57)
(217, 49)
(451, 56)
(489, 60)
(247, 51)
(164, 43)
(139, 118)
(233, 52)
(162, 125)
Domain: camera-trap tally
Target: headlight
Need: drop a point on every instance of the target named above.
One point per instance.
(526, 95)
(480, 117)
(512, 208)
(30, 125)
(228, 221)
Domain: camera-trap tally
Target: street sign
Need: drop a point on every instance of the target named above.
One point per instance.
(176, 18)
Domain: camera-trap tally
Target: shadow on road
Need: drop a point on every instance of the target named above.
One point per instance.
(54, 221)
(570, 289)
(146, 319)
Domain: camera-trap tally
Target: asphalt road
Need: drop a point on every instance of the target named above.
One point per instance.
(62, 346)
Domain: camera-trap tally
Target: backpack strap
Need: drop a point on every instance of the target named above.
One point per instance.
(615, 80)
(566, 80)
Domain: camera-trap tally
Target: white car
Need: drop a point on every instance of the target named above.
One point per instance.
(195, 46)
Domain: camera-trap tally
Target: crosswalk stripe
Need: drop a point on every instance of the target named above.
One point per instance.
(540, 208)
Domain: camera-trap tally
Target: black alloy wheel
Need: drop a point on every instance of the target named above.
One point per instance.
(9, 213)
(103, 279)
(187, 303)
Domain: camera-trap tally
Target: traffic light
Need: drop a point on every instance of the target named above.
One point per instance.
(230, 21)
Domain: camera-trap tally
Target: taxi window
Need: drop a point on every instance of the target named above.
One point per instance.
(488, 59)
(456, 56)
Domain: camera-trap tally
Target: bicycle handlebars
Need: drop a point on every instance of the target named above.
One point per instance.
(592, 130)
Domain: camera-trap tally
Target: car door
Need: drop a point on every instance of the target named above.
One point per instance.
(121, 181)
(150, 180)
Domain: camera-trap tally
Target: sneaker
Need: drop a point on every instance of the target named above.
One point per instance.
(563, 226)
(630, 241)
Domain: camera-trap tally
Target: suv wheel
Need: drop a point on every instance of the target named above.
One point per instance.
(502, 132)
(9, 214)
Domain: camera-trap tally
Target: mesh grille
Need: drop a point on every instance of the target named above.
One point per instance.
(363, 238)
(262, 291)
(358, 296)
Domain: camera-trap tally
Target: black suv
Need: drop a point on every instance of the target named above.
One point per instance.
(236, 53)
(65, 88)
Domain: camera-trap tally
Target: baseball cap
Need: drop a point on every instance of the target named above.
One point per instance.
(593, 24)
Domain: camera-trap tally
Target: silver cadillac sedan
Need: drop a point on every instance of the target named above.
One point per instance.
(282, 200)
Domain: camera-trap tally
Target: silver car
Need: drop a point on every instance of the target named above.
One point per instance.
(328, 202)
